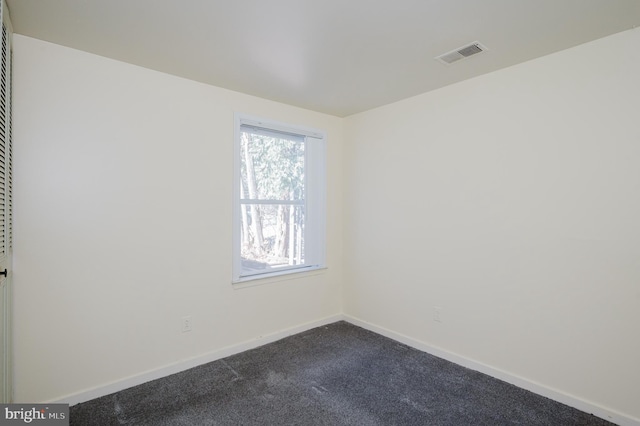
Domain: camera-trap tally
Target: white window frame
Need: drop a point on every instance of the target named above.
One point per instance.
(315, 197)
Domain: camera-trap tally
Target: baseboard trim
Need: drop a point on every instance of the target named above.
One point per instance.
(147, 376)
(138, 379)
(540, 389)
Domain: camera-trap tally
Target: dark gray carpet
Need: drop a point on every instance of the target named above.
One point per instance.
(339, 374)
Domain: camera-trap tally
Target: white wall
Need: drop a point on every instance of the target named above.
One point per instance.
(511, 201)
(123, 182)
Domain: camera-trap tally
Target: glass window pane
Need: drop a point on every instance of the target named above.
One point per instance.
(272, 168)
(272, 237)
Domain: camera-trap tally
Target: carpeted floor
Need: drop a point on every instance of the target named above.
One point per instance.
(338, 374)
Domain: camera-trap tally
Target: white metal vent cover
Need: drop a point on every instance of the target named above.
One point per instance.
(461, 53)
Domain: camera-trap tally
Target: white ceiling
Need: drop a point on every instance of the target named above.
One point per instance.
(335, 56)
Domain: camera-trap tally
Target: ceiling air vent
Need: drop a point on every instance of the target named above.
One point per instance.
(461, 53)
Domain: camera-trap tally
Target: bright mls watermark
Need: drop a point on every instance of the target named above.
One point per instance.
(34, 414)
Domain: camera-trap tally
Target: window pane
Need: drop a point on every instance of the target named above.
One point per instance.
(272, 168)
(272, 237)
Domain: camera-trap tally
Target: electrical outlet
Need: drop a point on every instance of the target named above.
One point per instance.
(437, 314)
(187, 323)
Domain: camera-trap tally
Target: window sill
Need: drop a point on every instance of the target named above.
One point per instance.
(253, 281)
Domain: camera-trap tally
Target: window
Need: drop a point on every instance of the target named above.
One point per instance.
(279, 199)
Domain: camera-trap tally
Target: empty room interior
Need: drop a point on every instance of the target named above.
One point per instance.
(477, 194)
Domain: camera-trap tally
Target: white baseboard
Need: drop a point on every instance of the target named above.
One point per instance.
(182, 365)
(138, 379)
(572, 401)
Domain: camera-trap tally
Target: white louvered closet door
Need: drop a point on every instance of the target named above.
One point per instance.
(6, 217)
